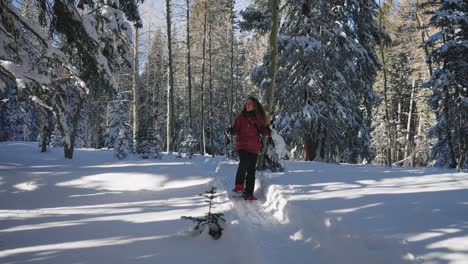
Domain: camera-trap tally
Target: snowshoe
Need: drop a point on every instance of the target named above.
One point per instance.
(249, 197)
(239, 188)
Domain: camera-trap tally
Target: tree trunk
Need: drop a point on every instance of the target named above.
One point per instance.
(202, 105)
(408, 126)
(231, 101)
(68, 148)
(155, 101)
(272, 72)
(148, 93)
(45, 137)
(189, 69)
(448, 130)
(398, 130)
(45, 126)
(210, 53)
(170, 88)
(310, 147)
(387, 116)
(423, 33)
(136, 92)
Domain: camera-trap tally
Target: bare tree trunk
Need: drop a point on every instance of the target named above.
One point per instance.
(310, 147)
(210, 53)
(68, 147)
(160, 96)
(419, 137)
(170, 88)
(423, 34)
(387, 116)
(136, 92)
(462, 150)
(397, 131)
(189, 69)
(155, 100)
(148, 94)
(202, 105)
(44, 125)
(271, 71)
(408, 125)
(231, 101)
(44, 139)
(447, 114)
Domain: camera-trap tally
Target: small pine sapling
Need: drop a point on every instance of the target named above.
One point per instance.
(214, 221)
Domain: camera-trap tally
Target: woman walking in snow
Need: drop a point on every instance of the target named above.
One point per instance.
(249, 125)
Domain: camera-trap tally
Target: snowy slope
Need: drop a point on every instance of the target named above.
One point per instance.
(96, 209)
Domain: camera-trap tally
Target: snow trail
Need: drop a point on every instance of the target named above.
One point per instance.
(259, 223)
(96, 209)
(280, 228)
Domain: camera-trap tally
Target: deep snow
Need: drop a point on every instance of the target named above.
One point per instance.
(97, 209)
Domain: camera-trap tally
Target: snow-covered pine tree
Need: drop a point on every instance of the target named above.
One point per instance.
(276, 153)
(449, 83)
(155, 84)
(327, 66)
(58, 71)
(118, 133)
(56, 139)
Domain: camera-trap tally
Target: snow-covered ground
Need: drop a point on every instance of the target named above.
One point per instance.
(97, 209)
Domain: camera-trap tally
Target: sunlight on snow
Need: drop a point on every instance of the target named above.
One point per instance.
(417, 184)
(93, 194)
(133, 212)
(297, 236)
(27, 186)
(455, 247)
(46, 166)
(7, 166)
(92, 243)
(123, 165)
(99, 209)
(118, 182)
(350, 210)
(186, 183)
(134, 182)
(433, 234)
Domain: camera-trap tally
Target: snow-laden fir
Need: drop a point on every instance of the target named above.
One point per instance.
(98, 209)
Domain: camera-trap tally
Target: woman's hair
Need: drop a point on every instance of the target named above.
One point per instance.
(260, 114)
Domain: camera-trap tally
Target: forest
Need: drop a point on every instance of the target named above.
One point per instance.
(343, 81)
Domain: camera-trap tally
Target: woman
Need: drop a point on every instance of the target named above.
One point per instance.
(248, 126)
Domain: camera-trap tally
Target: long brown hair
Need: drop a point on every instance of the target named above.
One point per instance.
(262, 119)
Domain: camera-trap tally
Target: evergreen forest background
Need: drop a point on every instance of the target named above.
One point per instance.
(356, 81)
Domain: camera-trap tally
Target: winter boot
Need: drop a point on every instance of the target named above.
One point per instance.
(250, 197)
(239, 188)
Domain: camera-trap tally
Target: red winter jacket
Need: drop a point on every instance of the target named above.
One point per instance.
(248, 133)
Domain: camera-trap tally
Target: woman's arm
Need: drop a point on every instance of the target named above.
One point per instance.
(266, 131)
(236, 126)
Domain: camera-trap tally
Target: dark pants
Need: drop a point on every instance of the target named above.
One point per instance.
(246, 171)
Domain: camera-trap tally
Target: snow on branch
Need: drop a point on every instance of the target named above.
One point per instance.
(32, 28)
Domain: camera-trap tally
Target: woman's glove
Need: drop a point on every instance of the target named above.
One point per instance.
(228, 134)
(230, 131)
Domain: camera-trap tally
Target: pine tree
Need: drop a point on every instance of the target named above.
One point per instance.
(57, 72)
(449, 83)
(326, 71)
